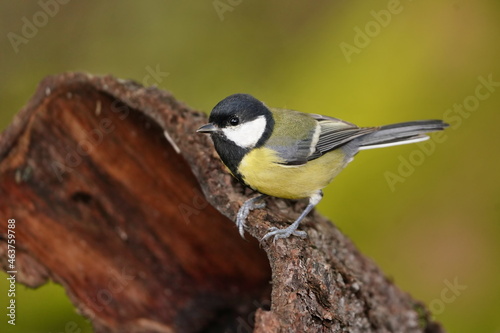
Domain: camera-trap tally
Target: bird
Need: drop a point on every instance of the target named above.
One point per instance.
(293, 155)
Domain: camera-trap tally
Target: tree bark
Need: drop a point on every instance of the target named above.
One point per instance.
(117, 198)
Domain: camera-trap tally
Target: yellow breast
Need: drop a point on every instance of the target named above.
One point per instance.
(261, 170)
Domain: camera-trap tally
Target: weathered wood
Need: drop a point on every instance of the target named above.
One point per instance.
(105, 179)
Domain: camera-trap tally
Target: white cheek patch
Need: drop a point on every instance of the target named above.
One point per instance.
(246, 135)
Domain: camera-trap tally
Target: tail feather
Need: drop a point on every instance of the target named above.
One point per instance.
(401, 133)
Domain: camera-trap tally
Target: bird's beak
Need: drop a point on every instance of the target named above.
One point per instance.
(208, 128)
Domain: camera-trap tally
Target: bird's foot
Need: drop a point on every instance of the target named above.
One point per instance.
(284, 233)
(245, 209)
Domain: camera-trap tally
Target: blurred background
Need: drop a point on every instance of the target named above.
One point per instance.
(428, 214)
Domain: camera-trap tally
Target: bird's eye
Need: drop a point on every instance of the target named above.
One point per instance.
(233, 121)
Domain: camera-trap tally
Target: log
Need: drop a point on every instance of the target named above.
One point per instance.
(116, 198)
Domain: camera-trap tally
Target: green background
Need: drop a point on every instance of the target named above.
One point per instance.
(439, 225)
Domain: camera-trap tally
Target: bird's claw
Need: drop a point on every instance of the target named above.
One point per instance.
(240, 219)
(259, 205)
(283, 233)
(245, 209)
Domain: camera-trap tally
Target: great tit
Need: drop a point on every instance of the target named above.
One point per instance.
(293, 155)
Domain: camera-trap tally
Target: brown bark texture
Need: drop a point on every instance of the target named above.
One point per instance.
(117, 198)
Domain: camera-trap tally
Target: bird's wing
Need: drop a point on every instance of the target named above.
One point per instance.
(304, 137)
(335, 133)
(293, 136)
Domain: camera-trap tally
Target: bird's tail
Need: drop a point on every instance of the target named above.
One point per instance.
(398, 134)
